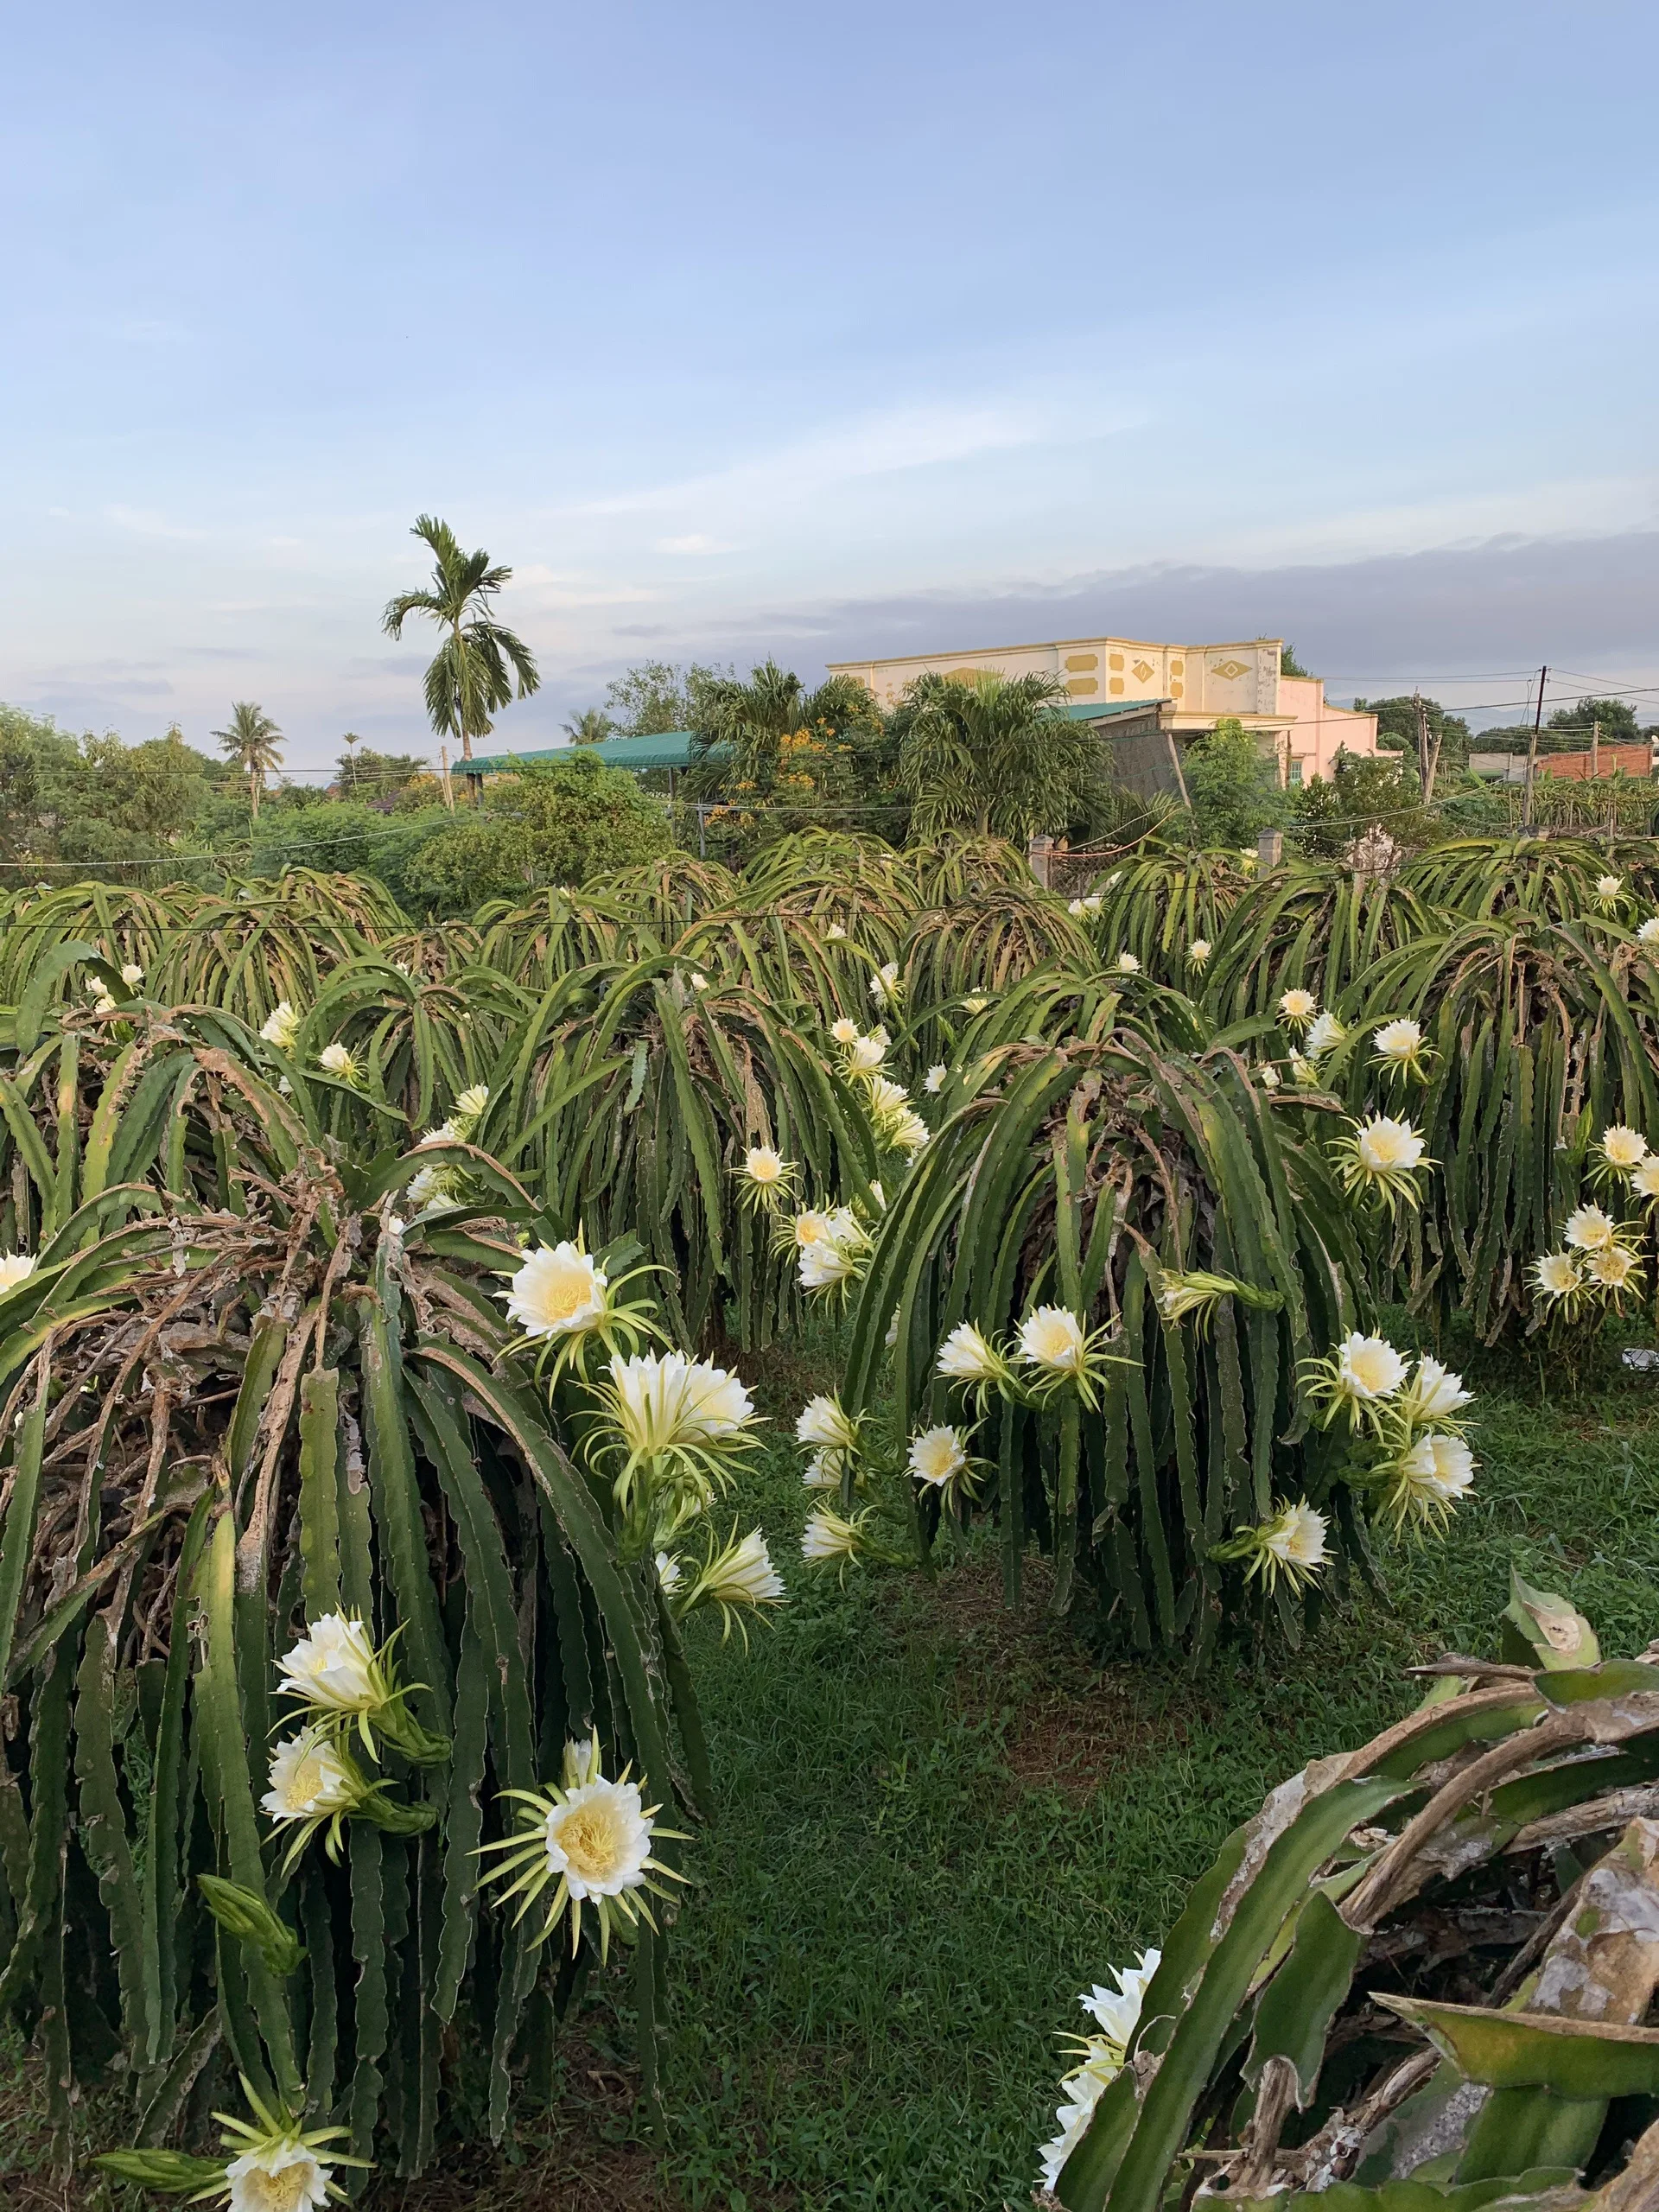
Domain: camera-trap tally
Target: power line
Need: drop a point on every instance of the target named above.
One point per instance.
(1608, 689)
(1469, 676)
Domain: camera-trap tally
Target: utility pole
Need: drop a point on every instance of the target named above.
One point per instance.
(1595, 752)
(1175, 763)
(1428, 756)
(1532, 749)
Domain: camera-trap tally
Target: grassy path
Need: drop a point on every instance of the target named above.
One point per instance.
(939, 1824)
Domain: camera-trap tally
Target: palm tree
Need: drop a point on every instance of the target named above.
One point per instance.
(468, 680)
(592, 726)
(992, 754)
(351, 741)
(755, 723)
(251, 742)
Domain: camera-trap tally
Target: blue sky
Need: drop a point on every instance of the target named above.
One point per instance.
(740, 328)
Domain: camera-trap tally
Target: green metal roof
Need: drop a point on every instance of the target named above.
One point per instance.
(1100, 710)
(671, 748)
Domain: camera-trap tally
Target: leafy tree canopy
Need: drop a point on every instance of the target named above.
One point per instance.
(1233, 786)
(90, 798)
(1330, 812)
(655, 696)
(560, 822)
(1397, 727)
(370, 775)
(1616, 716)
(1568, 730)
(994, 755)
(1288, 664)
(349, 833)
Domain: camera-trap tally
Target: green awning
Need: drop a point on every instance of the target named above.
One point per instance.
(670, 748)
(1102, 710)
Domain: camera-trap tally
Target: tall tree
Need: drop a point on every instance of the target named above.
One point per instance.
(1617, 717)
(381, 775)
(592, 726)
(992, 753)
(1362, 791)
(654, 697)
(351, 741)
(475, 670)
(1233, 786)
(251, 742)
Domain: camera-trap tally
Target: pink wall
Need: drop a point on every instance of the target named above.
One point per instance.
(1321, 730)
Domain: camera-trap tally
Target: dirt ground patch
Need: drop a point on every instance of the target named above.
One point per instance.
(583, 2155)
(1067, 1721)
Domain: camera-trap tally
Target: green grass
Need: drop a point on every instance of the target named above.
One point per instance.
(936, 1827)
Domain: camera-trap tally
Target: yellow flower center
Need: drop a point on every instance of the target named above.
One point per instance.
(1375, 1370)
(307, 1781)
(282, 2192)
(591, 1841)
(1054, 1344)
(566, 1294)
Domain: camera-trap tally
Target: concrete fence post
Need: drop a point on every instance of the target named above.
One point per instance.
(1040, 854)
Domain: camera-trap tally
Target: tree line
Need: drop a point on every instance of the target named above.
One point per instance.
(769, 755)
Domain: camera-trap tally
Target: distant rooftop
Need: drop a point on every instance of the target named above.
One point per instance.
(669, 748)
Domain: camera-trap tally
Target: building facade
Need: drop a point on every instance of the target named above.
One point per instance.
(1154, 699)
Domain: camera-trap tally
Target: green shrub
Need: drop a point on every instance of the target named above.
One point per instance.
(562, 823)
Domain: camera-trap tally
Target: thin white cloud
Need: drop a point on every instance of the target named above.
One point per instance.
(554, 589)
(697, 541)
(881, 444)
(1581, 506)
(147, 522)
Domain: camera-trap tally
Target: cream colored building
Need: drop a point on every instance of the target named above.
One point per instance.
(1157, 699)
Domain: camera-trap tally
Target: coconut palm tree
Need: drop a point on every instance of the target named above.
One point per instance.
(592, 726)
(252, 741)
(468, 680)
(992, 754)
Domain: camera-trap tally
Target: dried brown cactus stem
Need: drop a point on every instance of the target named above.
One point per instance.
(1603, 1964)
(1639, 1802)
(1397, 1874)
(1330, 2155)
(1385, 1750)
(1275, 2098)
